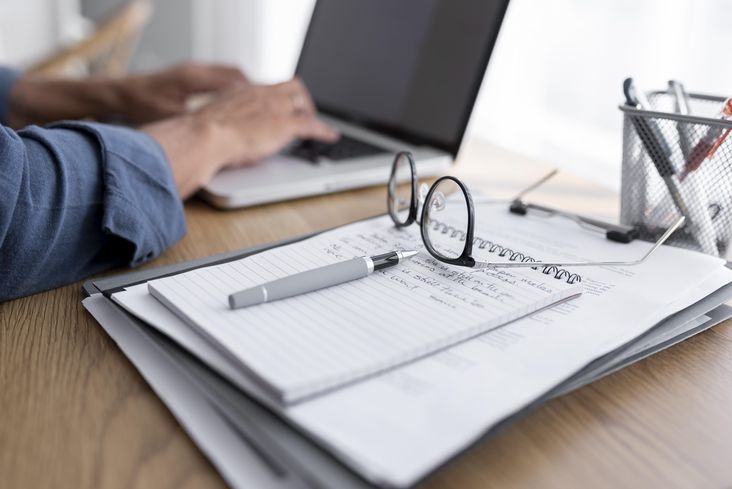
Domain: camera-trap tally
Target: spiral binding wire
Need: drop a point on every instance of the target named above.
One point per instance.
(444, 229)
(503, 252)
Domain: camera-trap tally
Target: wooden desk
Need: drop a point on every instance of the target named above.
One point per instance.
(75, 413)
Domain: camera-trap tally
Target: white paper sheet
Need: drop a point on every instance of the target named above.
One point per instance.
(396, 427)
(310, 343)
(238, 463)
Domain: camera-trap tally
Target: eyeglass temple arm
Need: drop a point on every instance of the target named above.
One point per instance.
(579, 219)
(536, 184)
(528, 264)
(479, 199)
(614, 232)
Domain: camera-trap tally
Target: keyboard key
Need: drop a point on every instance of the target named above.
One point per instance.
(343, 149)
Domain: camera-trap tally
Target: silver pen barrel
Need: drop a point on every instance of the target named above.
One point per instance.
(303, 282)
(316, 279)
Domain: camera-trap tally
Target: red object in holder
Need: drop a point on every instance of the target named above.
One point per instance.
(709, 144)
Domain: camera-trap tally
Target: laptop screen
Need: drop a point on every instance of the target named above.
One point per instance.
(408, 68)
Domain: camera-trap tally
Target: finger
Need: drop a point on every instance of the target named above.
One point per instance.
(281, 101)
(300, 87)
(167, 107)
(211, 78)
(300, 99)
(154, 110)
(308, 127)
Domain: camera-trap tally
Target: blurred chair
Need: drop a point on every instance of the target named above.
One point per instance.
(106, 52)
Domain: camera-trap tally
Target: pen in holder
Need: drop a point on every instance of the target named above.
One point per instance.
(679, 164)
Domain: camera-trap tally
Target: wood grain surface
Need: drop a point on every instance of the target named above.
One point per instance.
(74, 413)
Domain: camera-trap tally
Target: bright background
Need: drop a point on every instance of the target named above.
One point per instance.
(552, 87)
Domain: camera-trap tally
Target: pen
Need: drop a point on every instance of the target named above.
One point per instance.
(654, 142)
(682, 107)
(680, 96)
(317, 278)
(652, 138)
(710, 142)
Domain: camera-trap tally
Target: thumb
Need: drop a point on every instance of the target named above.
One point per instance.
(213, 78)
(310, 127)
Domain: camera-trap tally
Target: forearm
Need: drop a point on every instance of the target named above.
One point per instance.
(40, 101)
(78, 198)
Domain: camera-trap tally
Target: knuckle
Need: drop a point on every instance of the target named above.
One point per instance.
(235, 72)
(188, 67)
(188, 70)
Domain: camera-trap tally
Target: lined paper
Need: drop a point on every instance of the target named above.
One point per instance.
(305, 345)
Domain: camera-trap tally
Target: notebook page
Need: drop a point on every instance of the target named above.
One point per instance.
(396, 427)
(311, 343)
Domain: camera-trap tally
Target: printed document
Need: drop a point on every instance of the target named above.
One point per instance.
(314, 342)
(397, 427)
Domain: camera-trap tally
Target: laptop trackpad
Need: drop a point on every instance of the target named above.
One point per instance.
(267, 172)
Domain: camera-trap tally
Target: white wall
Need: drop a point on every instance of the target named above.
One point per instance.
(263, 37)
(32, 29)
(554, 82)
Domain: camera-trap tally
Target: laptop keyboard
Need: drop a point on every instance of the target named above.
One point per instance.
(345, 148)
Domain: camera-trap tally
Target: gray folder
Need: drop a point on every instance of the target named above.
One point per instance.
(293, 457)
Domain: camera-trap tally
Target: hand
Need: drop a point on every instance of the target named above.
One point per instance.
(238, 128)
(135, 99)
(148, 98)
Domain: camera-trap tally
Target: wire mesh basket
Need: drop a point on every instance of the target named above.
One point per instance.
(674, 165)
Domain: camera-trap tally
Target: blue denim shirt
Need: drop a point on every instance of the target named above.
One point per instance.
(77, 198)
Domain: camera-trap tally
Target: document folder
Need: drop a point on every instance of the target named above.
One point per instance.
(294, 456)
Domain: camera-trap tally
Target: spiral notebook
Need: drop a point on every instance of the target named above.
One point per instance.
(309, 344)
(395, 428)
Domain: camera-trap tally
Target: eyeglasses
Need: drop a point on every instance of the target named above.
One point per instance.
(447, 219)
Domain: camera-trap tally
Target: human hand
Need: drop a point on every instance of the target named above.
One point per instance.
(147, 98)
(240, 127)
(135, 99)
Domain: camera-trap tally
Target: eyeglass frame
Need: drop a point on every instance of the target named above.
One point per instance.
(465, 258)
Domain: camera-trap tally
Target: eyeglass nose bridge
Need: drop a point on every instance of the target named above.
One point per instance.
(439, 198)
(438, 203)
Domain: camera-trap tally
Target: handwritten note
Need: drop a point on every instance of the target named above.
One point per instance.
(312, 343)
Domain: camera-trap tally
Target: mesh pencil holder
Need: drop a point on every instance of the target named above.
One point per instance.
(675, 165)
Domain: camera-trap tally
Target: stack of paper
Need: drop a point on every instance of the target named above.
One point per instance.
(395, 427)
(314, 342)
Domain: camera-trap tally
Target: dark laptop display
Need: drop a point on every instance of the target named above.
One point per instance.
(408, 68)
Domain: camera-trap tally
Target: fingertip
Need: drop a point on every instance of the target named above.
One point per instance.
(235, 74)
(329, 130)
(331, 134)
(215, 77)
(325, 132)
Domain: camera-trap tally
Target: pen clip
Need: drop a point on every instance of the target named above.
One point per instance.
(630, 93)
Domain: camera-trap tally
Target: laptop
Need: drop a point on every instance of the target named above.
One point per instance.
(390, 76)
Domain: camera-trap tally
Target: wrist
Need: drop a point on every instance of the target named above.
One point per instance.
(193, 148)
(218, 141)
(40, 101)
(21, 110)
(105, 97)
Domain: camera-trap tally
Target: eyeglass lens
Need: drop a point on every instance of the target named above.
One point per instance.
(446, 219)
(400, 189)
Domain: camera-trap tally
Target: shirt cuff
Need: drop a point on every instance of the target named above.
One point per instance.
(8, 77)
(141, 202)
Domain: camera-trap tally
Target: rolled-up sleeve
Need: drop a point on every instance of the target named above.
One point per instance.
(77, 198)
